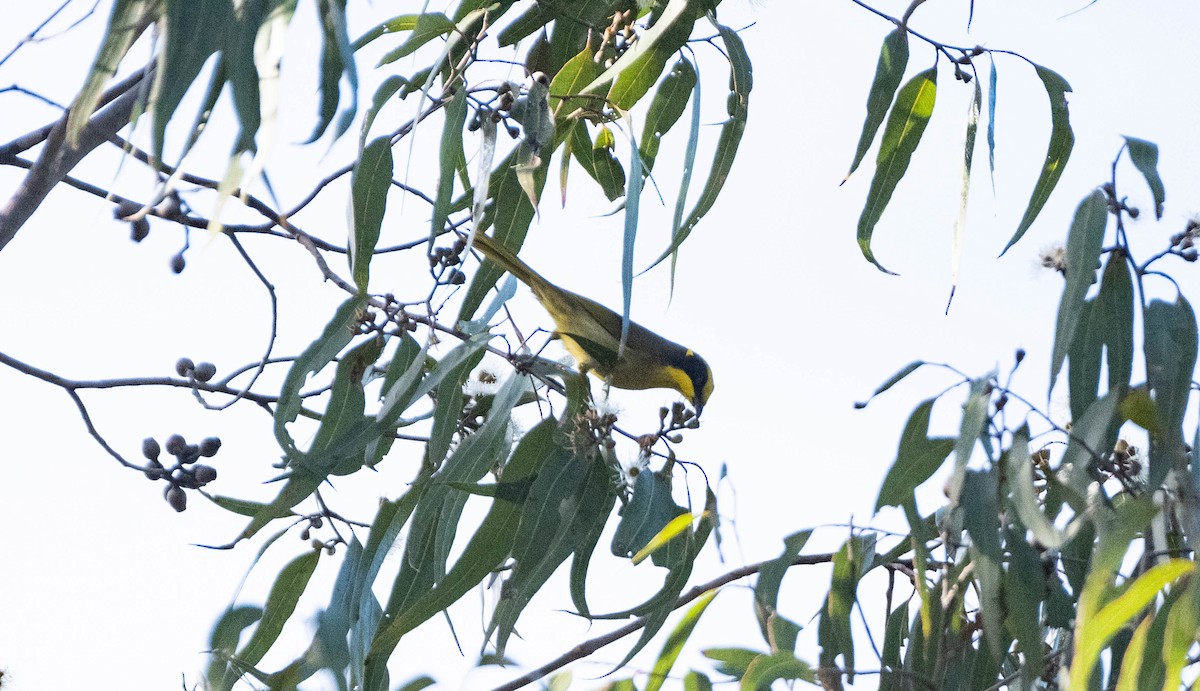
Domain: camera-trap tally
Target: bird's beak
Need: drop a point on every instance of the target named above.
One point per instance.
(699, 408)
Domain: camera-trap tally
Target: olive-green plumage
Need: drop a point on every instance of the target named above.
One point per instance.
(591, 332)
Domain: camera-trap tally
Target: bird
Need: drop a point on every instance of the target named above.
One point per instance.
(591, 333)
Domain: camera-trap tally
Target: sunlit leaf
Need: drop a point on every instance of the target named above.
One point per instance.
(909, 116)
(673, 646)
(281, 603)
(1062, 140)
(893, 58)
(425, 28)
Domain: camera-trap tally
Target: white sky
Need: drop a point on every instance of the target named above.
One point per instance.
(101, 580)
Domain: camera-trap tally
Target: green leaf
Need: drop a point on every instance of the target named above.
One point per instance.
(1083, 252)
(1113, 316)
(974, 419)
(960, 223)
(660, 606)
(365, 610)
(369, 185)
(917, 459)
(337, 61)
(486, 550)
(737, 105)
(731, 661)
(1170, 350)
(1062, 139)
(666, 107)
(695, 681)
(991, 130)
(770, 578)
(1024, 589)
(549, 529)
(450, 158)
(632, 75)
(894, 635)
(1090, 434)
(345, 431)
(893, 59)
(599, 496)
(192, 34)
(223, 642)
(892, 381)
(570, 81)
(383, 94)
(1180, 633)
(909, 116)
(598, 162)
(673, 646)
(1131, 663)
(281, 603)
(766, 669)
(337, 334)
(129, 19)
(849, 564)
(981, 519)
(426, 27)
(651, 508)
(1022, 496)
(1095, 627)
(1144, 155)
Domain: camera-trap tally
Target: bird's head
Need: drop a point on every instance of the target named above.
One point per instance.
(697, 383)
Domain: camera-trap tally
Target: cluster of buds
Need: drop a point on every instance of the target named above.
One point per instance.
(1183, 243)
(620, 34)
(185, 473)
(137, 216)
(202, 372)
(444, 261)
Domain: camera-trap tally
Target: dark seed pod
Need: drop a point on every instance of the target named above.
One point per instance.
(204, 474)
(176, 444)
(190, 454)
(125, 209)
(154, 471)
(150, 448)
(209, 447)
(139, 230)
(178, 263)
(176, 497)
(205, 371)
(184, 366)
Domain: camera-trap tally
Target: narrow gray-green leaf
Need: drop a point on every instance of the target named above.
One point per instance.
(369, 184)
(893, 59)
(450, 158)
(1062, 140)
(427, 27)
(129, 18)
(980, 518)
(1025, 586)
(892, 381)
(909, 116)
(281, 603)
(673, 646)
(337, 334)
(193, 31)
(917, 459)
(737, 105)
(1083, 252)
(960, 223)
(1144, 155)
(666, 107)
(991, 132)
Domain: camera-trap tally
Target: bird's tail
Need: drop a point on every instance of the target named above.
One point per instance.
(510, 263)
